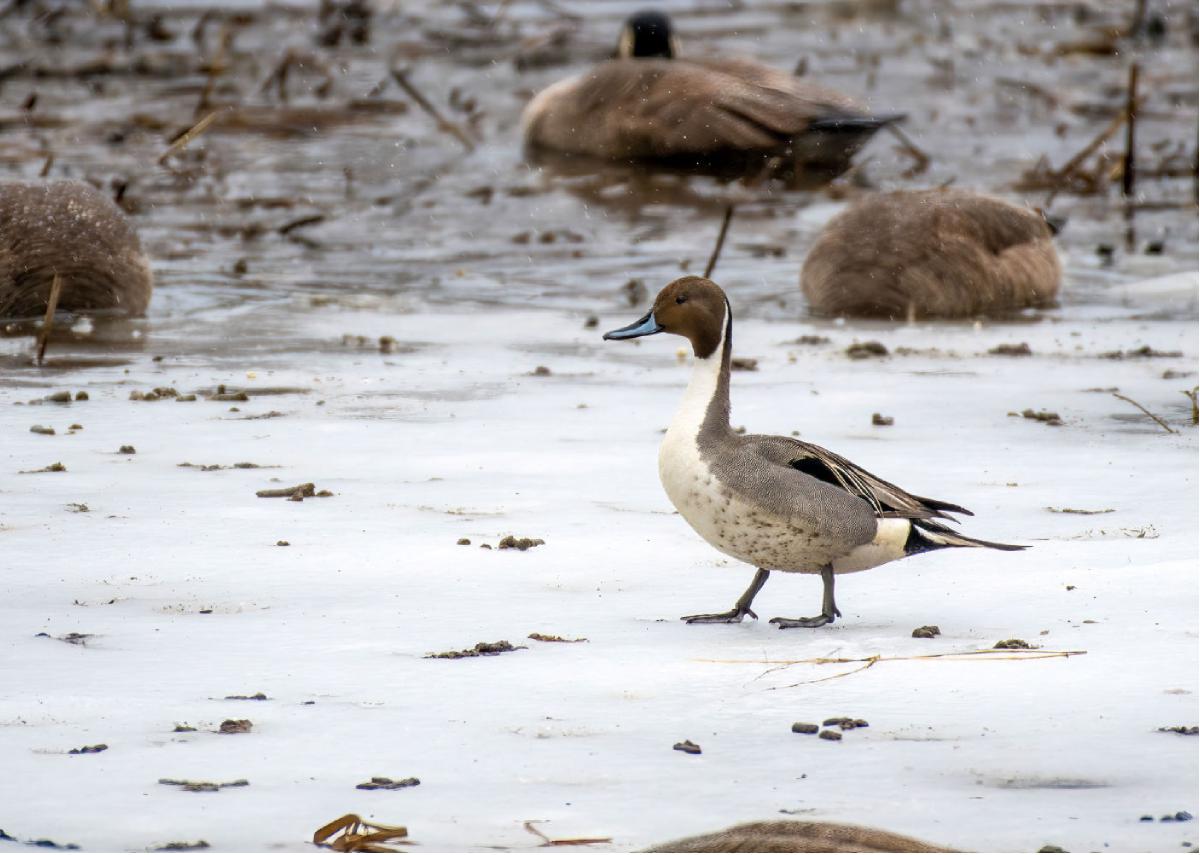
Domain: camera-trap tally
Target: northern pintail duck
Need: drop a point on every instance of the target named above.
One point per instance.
(932, 253)
(74, 230)
(772, 501)
(795, 836)
(730, 116)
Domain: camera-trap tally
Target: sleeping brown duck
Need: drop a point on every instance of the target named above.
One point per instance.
(932, 253)
(71, 229)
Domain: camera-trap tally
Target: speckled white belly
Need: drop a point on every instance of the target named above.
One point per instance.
(735, 527)
(744, 531)
(735, 524)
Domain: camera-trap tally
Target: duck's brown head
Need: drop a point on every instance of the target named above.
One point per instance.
(693, 307)
(647, 35)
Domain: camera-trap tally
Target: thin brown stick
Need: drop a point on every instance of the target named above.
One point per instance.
(43, 338)
(1163, 424)
(914, 151)
(400, 75)
(1091, 147)
(962, 655)
(532, 828)
(716, 253)
(871, 661)
(300, 223)
(190, 134)
(47, 165)
(1128, 171)
(216, 67)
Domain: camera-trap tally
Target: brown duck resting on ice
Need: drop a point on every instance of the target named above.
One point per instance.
(74, 230)
(774, 502)
(932, 253)
(727, 116)
(792, 836)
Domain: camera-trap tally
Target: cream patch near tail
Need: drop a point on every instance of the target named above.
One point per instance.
(891, 535)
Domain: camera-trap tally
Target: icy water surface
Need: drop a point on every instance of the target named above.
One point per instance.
(493, 408)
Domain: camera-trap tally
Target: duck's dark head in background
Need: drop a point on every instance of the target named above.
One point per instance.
(647, 34)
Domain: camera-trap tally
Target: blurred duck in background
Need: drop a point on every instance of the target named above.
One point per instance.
(72, 230)
(793, 836)
(932, 254)
(724, 116)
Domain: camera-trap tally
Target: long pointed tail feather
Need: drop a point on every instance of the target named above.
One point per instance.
(926, 536)
(854, 123)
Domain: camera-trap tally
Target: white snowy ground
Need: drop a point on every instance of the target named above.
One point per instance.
(175, 573)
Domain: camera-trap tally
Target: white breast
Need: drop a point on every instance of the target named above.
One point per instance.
(733, 523)
(689, 483)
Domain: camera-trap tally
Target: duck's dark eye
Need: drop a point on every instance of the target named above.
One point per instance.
(681, 299)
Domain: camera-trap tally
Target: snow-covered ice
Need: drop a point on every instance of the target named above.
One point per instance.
(175, 574)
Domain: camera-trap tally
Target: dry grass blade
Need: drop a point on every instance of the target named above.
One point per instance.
(1193, 395)
(1128, 169)
(216, 67)
(920, 158)
(531, 827)
(716, 253)
(1161, 423)
(43, 338)
(400, 75)
(989, 654)
(1087, 151)
(190, 134)
(359, 836)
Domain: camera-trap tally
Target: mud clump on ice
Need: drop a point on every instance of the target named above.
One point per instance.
(89, 749)
(158, 393)
(202, 786)
(520, 543)
(844, 723)
(388, 784)
(866, 350)
(236, 725)
(1044, 416)
(537, 636)
(483, 648)
(687, 747)
(1014, 644)
(182, 846)
(80, 638)
(930, 631)
(1021, 349)
(53, 467)
(298, 493)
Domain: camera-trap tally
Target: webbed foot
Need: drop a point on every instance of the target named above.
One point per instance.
(734, 615)
(806, 622)
(740, 609)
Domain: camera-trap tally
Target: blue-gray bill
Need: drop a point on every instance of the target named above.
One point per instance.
(645, 325)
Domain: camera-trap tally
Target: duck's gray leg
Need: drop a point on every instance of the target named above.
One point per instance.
(829, 609)
(740, 609)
